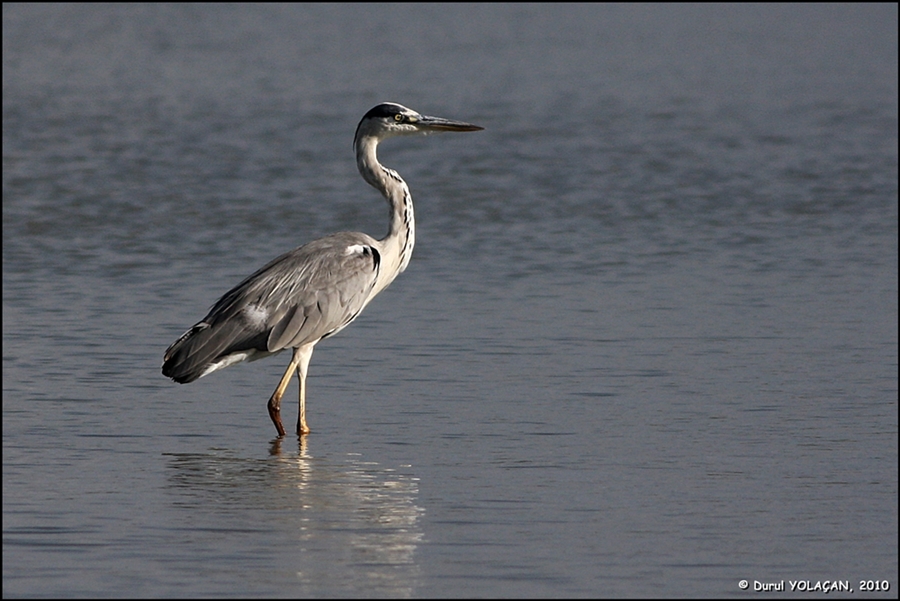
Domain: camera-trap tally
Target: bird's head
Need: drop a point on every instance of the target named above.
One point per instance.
(391, 119)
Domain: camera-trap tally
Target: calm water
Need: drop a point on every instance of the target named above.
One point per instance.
(647, 344)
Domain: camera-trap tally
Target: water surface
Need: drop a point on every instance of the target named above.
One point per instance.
(646, 346)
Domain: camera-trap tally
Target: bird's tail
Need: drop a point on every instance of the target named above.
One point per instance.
(186, 360)
(207, 347)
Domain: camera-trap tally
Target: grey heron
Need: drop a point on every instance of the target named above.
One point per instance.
(317, 289)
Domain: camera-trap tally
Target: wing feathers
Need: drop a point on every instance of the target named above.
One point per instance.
(300, 297)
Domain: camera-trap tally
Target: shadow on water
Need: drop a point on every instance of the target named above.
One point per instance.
(351, 523)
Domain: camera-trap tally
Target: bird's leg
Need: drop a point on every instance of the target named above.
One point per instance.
(275, 400)
(302, 356)
(302, 428)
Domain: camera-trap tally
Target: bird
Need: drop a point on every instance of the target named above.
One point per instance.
(315, 290)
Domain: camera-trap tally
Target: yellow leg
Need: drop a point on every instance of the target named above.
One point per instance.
(302, 428)
(275, 399)
(301, 359)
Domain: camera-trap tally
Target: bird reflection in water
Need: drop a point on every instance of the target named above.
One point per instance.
(335, 526)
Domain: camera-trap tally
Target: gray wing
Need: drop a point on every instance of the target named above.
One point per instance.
(331, 282)
(298, 298)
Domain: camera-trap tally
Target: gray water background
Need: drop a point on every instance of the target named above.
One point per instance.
(646, 346)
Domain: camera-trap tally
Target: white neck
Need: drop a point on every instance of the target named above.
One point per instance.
(397, 246)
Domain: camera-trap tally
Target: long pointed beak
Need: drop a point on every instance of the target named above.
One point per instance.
(427, 123)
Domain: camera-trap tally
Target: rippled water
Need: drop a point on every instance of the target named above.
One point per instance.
(647, 344)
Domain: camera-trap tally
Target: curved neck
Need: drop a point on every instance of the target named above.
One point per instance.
(397, 246)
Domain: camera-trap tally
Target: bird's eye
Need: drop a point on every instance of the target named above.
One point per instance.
(398, 118)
